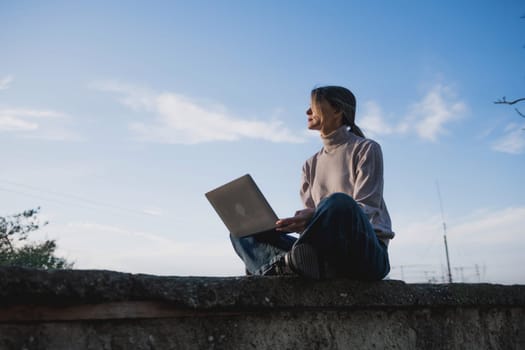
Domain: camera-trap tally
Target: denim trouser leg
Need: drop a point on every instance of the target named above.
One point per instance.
(259, 253)
(341, 233)
(345, 239)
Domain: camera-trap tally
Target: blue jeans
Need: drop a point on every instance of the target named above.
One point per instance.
(339, 231)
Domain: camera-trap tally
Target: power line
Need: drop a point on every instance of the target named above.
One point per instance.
(67, 198)
(32, 196)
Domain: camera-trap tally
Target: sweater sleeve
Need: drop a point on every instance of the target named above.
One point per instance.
(368, 185)
(305, 190)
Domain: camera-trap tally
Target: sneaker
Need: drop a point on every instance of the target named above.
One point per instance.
(279, 268)
(304, 261)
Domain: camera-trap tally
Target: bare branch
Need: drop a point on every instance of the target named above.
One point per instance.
(504, 101)
(519, 112)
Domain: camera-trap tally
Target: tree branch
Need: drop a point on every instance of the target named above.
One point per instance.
(504, 101)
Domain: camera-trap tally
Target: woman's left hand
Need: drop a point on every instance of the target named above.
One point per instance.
(297, 223)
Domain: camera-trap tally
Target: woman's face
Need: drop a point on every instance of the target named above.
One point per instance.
(323, 117)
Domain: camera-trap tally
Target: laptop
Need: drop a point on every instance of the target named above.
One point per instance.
(242, 207)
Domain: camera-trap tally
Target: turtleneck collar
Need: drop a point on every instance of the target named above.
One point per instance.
(336, 138)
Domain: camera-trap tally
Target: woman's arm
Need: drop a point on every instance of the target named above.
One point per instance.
(305, 192)
(368, 182)
(296, 223)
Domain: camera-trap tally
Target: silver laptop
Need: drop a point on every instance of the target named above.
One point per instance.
(242, 207)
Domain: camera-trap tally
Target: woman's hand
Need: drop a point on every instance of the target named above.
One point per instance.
(296, 223)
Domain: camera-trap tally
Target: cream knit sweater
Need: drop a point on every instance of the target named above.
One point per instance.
(353, 165)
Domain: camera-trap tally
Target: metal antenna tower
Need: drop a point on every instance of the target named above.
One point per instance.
(444, 233)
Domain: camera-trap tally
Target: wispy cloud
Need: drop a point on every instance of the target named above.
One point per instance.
(34, 123)
(11, 123)
(34, 113)
(6, 82)
(373, 121)
(427, 117)
(22, 119)
(153, 211)
(175, 118)
(513, 141)
(485, 236)
(490, 223)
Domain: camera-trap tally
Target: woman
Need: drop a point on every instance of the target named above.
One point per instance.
(345, 226)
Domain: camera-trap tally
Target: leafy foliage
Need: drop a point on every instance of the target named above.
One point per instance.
(14, 229)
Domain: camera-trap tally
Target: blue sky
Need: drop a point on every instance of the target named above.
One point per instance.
(116, 118)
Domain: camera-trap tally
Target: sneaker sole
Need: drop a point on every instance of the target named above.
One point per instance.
(304, 261)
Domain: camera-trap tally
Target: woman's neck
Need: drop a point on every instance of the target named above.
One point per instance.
(330, 129)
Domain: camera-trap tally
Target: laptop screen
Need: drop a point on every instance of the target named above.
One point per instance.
(242, 207)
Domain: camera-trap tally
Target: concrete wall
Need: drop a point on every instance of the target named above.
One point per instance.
(109, 310)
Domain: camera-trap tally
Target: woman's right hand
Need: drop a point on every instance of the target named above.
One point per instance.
(297, 223)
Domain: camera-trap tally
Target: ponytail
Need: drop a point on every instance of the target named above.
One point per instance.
(357, 131)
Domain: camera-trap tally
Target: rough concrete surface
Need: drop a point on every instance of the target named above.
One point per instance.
(76, 309)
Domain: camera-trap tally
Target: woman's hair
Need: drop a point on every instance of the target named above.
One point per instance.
(342, 99)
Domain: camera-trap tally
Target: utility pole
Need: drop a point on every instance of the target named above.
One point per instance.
(444, 233)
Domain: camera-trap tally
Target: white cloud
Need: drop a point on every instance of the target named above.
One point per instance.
(137, 98)
(11, 123)
(179, 119)
(491, 223)
(38, 124)
(437, 108)
(372, 120)
(153, 211)
(490, 238)
(514, 140)
(427, 118)
(6, 82)
(33, 113)
(22, 119)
